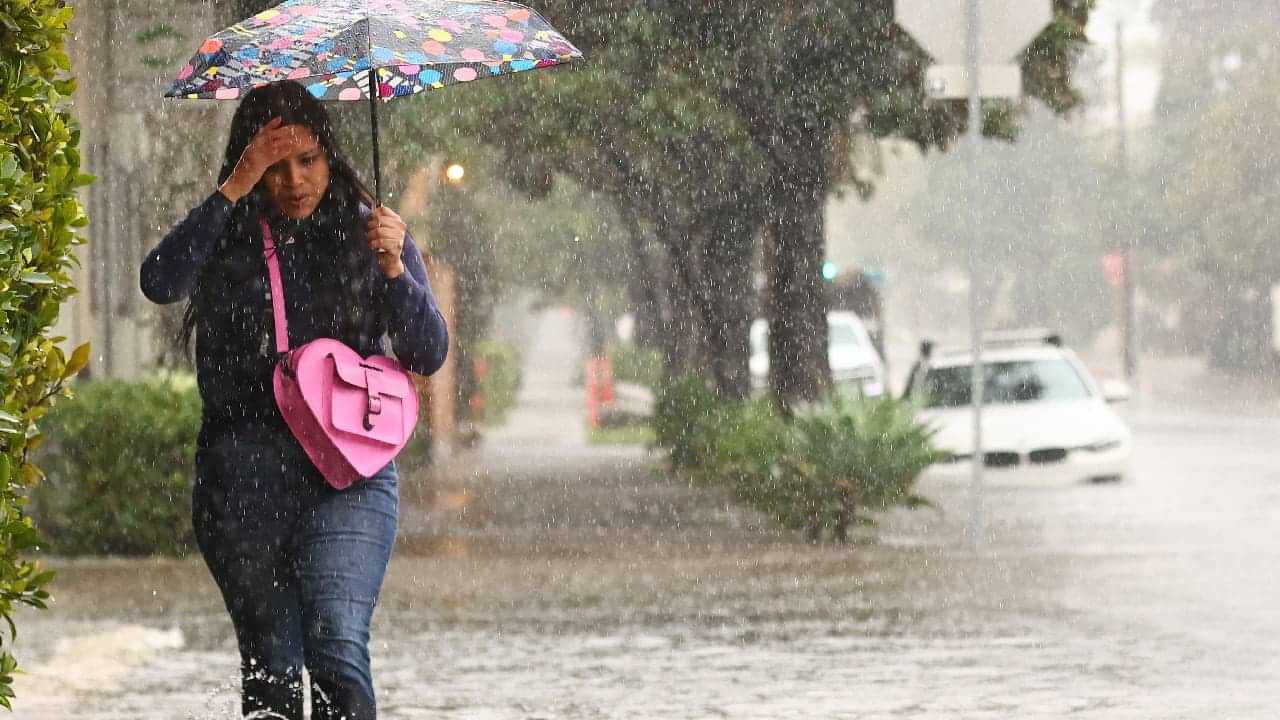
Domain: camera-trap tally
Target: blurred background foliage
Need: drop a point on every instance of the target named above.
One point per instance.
(119, 469)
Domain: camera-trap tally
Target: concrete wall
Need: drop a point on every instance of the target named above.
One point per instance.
(154, 159)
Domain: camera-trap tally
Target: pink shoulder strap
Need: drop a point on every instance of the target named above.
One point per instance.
(277, 288)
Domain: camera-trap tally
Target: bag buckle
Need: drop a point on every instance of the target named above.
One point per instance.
(374, 407)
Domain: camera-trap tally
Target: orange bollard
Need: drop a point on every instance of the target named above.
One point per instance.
(600, 393)
(606, 381)
(593, 395)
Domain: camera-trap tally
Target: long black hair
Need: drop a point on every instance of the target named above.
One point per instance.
(337, 220)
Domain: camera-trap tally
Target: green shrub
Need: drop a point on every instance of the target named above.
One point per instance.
(821, 472)
(120, 463)
(750, 439)
(686, 418)
(634, 364)
(852, 458)
(501, 381)
(39, 212)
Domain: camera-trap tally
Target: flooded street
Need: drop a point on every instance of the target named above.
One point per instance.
(541, 577)
(1032, 235)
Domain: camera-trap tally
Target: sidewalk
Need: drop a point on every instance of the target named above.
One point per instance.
(1188, 385)
(534, 482)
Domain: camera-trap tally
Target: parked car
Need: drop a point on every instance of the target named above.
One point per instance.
(1044, 416)
(856, 366)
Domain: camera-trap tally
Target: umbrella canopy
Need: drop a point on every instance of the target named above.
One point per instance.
(340, 50)
(331, 46)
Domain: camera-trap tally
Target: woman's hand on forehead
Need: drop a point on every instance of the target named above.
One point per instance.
(273, 143)
(289, 140)
(302, 139)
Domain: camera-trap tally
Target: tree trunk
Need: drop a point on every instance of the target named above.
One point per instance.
(643, 286)
(849, 502)
(813, 530)
(841, 531)
(798, 368)
(685, 345)
(711, 302)
(729, 305)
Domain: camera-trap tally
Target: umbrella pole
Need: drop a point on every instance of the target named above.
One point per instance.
(373, 122)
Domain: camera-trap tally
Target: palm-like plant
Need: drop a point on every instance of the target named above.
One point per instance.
(856, 457)
(823, 469)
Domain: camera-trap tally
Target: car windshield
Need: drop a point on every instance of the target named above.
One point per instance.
(1006, 383)
(843, 335)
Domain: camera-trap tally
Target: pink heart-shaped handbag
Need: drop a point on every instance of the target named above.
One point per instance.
(351, 414)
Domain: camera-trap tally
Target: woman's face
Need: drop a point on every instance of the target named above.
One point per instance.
(297, 183)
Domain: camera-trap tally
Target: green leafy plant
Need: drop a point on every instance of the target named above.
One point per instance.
(686, 416)
(120, 465)
(39, 214)
(751, 439)
(499, 382)
(822, 471)
(635, 364)
(852, 458)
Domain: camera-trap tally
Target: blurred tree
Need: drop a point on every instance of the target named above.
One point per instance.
(1047, 216)
(1217, 169)
(462, 234)
(680, 175)
(795, 77)
(1222, 197)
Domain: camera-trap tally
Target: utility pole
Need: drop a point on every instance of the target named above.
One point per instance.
(1129, 313)
(978, 381)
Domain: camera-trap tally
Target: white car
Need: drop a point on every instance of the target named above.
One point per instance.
(1044, 418)
(856, 366)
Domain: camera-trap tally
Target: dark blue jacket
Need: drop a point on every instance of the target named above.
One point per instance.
(235, 337)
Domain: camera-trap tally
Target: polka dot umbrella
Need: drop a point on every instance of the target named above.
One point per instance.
(338, 49)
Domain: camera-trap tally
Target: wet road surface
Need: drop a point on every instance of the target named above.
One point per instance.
(542, 578)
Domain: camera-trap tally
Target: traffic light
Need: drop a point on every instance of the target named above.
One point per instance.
(830, 270)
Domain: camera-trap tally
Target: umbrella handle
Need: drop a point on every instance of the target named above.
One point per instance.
(373, 122)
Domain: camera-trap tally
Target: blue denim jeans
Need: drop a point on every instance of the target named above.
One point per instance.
(300, 566)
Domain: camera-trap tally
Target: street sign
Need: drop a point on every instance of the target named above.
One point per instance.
(981, 37)
(951, 82)
(1008, 26)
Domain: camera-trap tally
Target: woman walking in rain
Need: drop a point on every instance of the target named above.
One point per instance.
(299, 563)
